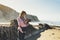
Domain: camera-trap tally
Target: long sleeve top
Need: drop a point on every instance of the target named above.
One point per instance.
(21, 23)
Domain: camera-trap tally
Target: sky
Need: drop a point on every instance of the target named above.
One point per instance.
(48, 10)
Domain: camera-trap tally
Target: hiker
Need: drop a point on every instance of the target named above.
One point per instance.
(22, 24)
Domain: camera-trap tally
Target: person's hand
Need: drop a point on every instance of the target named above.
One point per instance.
(21, 31)
(26, 21)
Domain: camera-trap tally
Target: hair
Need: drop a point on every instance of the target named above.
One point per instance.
(23, 12)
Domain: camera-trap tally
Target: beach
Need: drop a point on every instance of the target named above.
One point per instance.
(50, 34)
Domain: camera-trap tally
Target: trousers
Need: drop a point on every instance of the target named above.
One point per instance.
(22, 35)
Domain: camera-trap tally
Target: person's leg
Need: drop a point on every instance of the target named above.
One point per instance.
(24, 32)
(21, 36)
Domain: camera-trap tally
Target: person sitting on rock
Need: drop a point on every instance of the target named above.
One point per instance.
(22, 24)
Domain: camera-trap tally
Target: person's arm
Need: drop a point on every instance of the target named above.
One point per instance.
(26, 21)
(19, 28)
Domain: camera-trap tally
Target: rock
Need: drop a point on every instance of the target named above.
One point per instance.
(9, 33)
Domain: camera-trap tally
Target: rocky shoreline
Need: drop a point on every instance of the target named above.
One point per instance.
(11, 32)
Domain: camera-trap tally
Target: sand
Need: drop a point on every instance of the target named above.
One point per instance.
(50, 34)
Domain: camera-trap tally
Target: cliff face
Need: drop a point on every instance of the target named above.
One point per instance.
(7, 14)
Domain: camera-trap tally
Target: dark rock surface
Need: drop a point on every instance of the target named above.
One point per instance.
(8, 33)
(11, 33)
